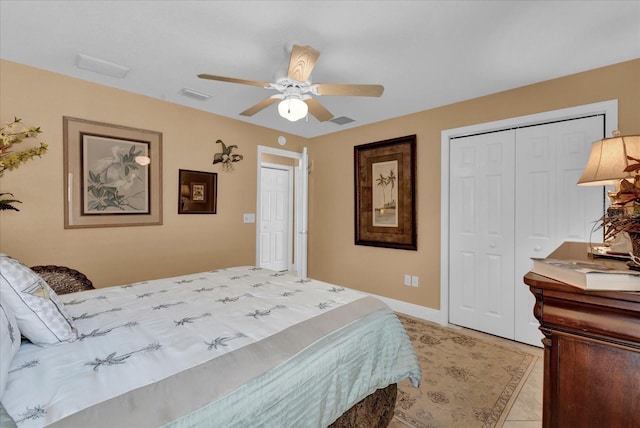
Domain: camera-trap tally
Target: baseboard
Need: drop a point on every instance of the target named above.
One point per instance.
(422, 312)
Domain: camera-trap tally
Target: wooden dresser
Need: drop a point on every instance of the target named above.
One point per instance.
(591, 354)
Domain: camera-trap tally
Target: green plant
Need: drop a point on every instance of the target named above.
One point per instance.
(12, 133)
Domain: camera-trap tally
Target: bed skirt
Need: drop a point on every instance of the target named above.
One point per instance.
(374, 411)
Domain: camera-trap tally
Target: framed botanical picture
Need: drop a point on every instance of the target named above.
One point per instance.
(112, 181)
(112, 175)
(197, 192)
(385, 205)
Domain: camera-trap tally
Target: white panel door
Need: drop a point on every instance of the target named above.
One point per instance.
(550, 207)
(274, 218)
(481, 259)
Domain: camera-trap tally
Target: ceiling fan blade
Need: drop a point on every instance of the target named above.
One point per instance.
(318, 110)
(303, 59)
(260, 106)
(353, 90)
(234, 80)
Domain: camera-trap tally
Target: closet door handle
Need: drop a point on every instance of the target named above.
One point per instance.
(537, 248)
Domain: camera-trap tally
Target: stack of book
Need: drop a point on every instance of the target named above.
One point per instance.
(587, 275)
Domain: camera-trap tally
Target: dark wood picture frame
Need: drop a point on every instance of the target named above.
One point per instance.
(385, 201)
(197, 192)
(107, 182)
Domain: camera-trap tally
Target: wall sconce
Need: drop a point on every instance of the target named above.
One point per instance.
(226, 157)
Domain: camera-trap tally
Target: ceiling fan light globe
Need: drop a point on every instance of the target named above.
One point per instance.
(293, 109)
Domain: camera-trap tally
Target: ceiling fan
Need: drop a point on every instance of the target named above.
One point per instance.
(295, 90)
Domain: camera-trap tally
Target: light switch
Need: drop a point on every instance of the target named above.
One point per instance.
(249, 218)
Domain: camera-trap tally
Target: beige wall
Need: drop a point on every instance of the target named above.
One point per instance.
(191, 243)
(332, 254)
(119, 255)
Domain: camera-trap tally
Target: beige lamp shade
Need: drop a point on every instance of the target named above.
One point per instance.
(608, 160)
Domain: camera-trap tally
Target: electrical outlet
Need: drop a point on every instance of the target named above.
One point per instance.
(407, 280)
(414, 281)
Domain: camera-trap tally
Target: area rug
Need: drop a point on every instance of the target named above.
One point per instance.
(466, 381)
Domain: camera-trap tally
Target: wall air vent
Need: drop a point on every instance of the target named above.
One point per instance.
(101, 66)
(195, 94)
(342, 120)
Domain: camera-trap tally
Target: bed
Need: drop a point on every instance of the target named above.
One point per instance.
(236, 347)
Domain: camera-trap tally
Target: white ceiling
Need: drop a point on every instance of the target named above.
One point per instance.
(425, 53)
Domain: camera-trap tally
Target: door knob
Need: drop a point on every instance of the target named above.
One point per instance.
(537, 248)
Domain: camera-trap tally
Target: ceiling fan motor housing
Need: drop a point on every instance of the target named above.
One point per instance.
(296, 89)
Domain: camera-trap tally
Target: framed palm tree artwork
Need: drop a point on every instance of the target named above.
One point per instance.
(112, 175)
(385, 206)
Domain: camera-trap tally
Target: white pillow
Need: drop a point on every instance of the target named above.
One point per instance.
(41, 315)
(9, 343)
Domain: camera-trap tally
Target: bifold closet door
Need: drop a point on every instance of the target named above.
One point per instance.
(513, 196)
(550, 207)
(482, 185)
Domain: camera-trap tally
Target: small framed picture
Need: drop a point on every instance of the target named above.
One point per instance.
(197, 192)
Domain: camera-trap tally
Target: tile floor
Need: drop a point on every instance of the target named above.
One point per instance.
(527, 409)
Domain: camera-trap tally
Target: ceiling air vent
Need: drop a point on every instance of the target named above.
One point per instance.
(195, 94)
(101, 66)
(342, 120)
